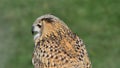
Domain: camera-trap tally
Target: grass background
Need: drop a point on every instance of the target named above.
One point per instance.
(97, 22)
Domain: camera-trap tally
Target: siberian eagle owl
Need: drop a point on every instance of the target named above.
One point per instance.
(56, 46)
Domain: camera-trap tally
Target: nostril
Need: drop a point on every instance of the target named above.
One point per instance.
(33, 30)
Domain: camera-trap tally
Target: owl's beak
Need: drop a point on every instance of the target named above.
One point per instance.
(33, 32)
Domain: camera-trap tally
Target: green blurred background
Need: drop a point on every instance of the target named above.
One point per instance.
(97, 22)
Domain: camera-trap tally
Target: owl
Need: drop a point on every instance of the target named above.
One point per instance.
(56, 46)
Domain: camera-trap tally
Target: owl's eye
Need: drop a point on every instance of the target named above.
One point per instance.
(39, 25)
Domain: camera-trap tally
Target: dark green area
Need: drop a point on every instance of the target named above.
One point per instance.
(97, 22)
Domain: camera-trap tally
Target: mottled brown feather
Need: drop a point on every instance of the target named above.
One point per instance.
(59, 47)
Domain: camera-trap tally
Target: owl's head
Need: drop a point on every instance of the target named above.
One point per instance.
(46, 24)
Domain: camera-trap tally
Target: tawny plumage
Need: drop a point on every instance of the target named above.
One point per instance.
(56, 46)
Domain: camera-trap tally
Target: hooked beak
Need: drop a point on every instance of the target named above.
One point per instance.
(33, 32)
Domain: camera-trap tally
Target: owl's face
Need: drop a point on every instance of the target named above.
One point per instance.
(37, 29)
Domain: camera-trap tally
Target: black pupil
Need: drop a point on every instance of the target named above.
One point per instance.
(39, 26)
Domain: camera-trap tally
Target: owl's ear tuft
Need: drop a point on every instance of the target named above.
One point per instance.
(49, 20)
